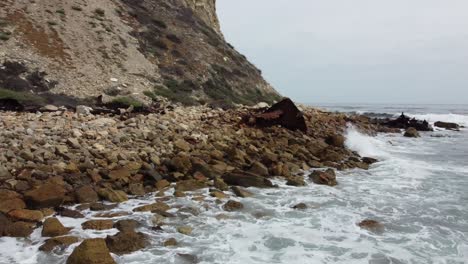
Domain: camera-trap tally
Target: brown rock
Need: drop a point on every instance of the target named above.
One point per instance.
(126, 242)
(259, 169)
(218, 194)
(241, 192)
(136, 189)
(372, 225)
(126, 225)
(295, 181)
(115, 196)
(65, 212)
(327, 177)
(220, 184)
(186, 230)
(162, 184)
(19, 229)
(189, 185)
(119, 174)
(52, 228)
(152, 207)
(61, 242)
(246, 179)
(182, 145)
(47, 195)
(26, 215)
(171, 242)
(412, 133)
(86, 194)
(336, 140)
(300, 206)
(232, 206)
(8, 205)
(181, 163)
(98, 224)
(91, 251)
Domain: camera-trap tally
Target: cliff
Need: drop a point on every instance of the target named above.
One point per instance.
(124, 48)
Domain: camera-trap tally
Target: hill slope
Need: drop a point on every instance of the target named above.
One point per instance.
(138, 48)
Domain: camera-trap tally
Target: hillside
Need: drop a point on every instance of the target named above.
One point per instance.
(83, 49)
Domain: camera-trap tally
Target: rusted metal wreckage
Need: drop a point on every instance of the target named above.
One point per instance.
(285, 114)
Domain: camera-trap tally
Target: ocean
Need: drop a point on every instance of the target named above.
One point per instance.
(418, 190)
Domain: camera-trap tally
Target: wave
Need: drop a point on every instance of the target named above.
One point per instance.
(432, 118)
(366, 146)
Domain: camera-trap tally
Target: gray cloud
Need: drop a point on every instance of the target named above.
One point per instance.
(396, 51)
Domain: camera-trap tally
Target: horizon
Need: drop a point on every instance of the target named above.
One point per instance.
(394, 53)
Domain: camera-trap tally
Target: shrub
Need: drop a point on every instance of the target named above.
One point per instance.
(159, 23)
(77, 8)
(21, 97)
(127, 102)
(174, 38)
(100, 12)
(61, 12)
(4, 36)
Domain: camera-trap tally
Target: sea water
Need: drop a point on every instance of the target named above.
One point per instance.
(418, 190)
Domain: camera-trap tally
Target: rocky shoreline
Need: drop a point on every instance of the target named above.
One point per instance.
(58, 158)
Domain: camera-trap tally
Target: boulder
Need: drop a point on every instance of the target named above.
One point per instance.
(412, 133)
(65, 212)
(52, 228)
(241, 192)
(159, 206)
(405, 122)
(372, 225)
(181, 163)
(327, 177)
(231, 206)
(26, 215)
(126, 242)
(98, 224)
(126, 225)
(189, 185)
(4, 173)
(447, 125)
(115, 196)
(296, 181)
(220, 184)
(284, 113)
(369, 161)
(47, 195)
(336, 140)
(18, 229)
(119, 174)
(136, 189)
(182, 145)
(171, 242)
(86, 194)
(7, 205)
(91, 251)
(186, 230)
(246, 179)
(162, 184)
(259, 169)
(61, 242)
(300, 206)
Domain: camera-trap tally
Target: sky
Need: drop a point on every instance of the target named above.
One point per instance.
(355, 51)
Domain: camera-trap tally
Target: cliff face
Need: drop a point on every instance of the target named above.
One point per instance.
(135, 48)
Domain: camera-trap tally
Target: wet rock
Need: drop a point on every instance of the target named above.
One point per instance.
(26, 215)
(7, 205)
(126, 242)
(336, 140)
(217, 194)
(127, 225)
(162, 184)
(86, 194)
(405, 122)
(232, 205)
(101, 206)
(52, 228)
(114, 196)
(372, 225)
(369, 161)
(186, 230)
(241, 192)
(412, 133)
(47, 195)
(447, 125)
(189, 185)
(18, 229)
(65, 212)
(327, 177)
(247, 180)
(220, 184)
(300, 206)
(171, 242)
(284, 113)
(187, 258)
(61, 242)
(259, 169)
(296, 181)
(91, 251)
(98, 224)
(136, 189)
(159, 206)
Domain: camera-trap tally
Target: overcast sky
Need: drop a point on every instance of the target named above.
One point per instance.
(355, 51)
